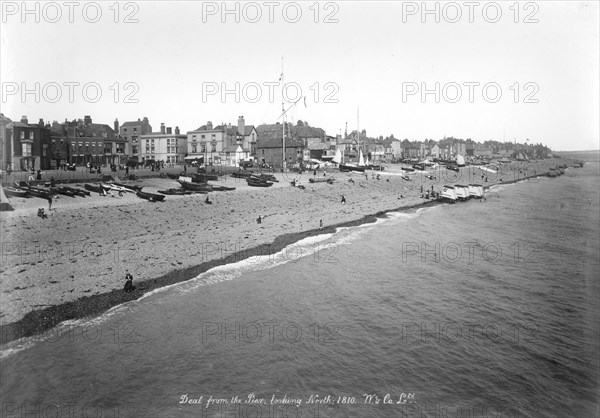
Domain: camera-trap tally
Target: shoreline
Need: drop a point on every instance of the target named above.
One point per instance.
(39, 321)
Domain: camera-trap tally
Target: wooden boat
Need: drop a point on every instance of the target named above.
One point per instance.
(255, 181)
(269, 177)
(241, 174)
(406, 178)
(41, 193)
(453, 168)
(175, 192)
(15, 192)
(321, 180)
(196, 187)
(133, 187)
(420, 167)
(352, 167)
(173, 176)
(78, 192)
(409, 169)
(63, 191)
(152, 197)
(96, 188)
(118, 188)
(222, 188)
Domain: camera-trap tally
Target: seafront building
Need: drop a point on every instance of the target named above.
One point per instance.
(46, 146)
(166, 145)
(131, 131)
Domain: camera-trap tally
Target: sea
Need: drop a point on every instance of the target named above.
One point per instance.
(479, 309)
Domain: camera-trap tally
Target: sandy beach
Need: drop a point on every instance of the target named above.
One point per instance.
(73, 263)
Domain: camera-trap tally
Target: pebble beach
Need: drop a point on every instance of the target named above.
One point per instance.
(73, 263)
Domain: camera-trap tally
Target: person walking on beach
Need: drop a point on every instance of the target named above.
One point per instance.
(49, 203)
(128, 283)
(343, 200)
(258, 220)
(31, 178)
(321, 224)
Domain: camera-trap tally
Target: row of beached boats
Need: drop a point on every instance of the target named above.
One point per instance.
(460, 193)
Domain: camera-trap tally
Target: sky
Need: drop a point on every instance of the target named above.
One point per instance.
(503, 71)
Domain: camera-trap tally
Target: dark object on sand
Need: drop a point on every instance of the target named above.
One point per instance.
(174, 192)
(152, 197)
(16, 192)
(41, 213)
(222, 188)
(256, 181)
(196, 187)
(96, 188)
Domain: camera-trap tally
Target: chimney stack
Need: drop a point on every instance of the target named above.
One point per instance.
(177, 130)
(209, 125)
(241, 125)
(116, 126)
(87, 120)
(169, 132)
(24, 120)
(162, 128)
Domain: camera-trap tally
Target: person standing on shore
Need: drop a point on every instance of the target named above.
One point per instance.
(49, 203)
(343, 200)
(259, 220)
(128, 283)
(321, 224)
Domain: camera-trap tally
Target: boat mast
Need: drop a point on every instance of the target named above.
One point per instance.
(358, 129)
(283, 124)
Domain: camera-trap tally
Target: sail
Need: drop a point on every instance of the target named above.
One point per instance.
(338, 157)
(367, 161)
(361, 161)
(460, 160)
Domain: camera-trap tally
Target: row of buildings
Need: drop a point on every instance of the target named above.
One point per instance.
(45, 146)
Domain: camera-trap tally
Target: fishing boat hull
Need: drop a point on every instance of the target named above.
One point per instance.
(95, 188)
(63, 191)
(15, 192)
(196, 187)
(350, 167)
(152, 197)
(256, 182)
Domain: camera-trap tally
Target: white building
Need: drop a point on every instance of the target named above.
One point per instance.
(163, 146)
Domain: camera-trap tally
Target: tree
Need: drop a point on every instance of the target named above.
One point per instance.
(300, 123)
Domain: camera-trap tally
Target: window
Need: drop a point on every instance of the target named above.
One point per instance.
(203, 148)
(30, 134)
(202, 136)
(213, 148)
(194, 148)
(134, 149)
(213, 137)
(194, 137)
(135, 130)
(26, 150)
(124, 129)
(22, 134)
(134, 139)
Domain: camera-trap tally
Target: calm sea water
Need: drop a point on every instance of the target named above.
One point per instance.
(479, 309)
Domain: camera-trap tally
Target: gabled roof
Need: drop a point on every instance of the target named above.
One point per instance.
(232, 148)
(248, 130)
(277, 143)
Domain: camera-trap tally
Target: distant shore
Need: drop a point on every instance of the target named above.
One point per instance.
(72, 265)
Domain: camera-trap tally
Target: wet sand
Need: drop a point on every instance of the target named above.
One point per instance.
(72, 264)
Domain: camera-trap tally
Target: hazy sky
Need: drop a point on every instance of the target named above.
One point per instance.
(535, 78)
